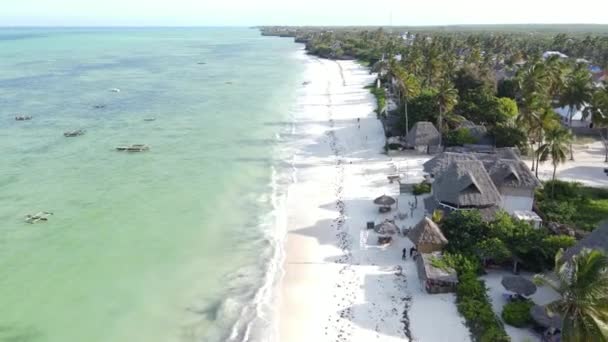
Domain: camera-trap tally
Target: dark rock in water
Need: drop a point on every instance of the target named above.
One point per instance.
(149, 119)
(228, 82)
(201, 63)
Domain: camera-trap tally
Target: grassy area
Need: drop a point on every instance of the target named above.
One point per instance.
(380, 95)
(573, 204)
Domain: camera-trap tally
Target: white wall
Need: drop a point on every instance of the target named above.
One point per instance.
(512, 203)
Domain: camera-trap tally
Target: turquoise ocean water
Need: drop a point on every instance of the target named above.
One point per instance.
(168, 245)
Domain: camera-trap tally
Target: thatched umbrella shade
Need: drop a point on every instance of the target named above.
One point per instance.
(385, 201)
(386, 227)
(539, 316)
(519, 285)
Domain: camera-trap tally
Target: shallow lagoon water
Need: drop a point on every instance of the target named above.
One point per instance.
(166, 245)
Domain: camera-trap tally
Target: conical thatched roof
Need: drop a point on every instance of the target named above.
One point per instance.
(423, 133)
(385, 200)
(427, 232)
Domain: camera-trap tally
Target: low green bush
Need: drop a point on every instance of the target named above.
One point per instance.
(473, 302)
(422, 188)
(517, 313)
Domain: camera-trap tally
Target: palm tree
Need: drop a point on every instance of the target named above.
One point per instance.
(447, 98)
(556, 148)
(577, 92)
(409, 87)
(597, 110)
(533, 86)
(547, 120)
(582, 283)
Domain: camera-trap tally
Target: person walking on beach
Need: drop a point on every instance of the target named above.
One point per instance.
(404, 255)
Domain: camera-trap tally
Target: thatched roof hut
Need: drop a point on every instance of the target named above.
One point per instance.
(427, 236)
(423, 135)
(466, 184)
(512, 173)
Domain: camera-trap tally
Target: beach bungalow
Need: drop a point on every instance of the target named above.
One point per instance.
(465, 185)
(427, 237)
(436, 278)
(515, 183)
(424, 137)
(460, 183)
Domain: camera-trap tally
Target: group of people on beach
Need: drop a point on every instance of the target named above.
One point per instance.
(413, 253)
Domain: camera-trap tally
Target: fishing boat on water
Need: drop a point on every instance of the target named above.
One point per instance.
(42, 216)
(75, 133)
(23, 117)
(133, 148)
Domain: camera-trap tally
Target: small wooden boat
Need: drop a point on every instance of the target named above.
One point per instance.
(42, 216)
(149, 119)
(23, 117)
(75, 133)
(115, 90)
(133, 148)
(100, 106)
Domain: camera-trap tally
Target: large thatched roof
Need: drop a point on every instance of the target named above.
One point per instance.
(427, 232)
(423, 133)
(504, 167)
(466, 184)
(598, 239)
(513, 174)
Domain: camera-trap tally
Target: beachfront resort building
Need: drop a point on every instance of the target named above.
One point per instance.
(488, 182)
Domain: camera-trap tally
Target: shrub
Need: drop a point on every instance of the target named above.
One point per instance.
(510, 136)
(517, 313)
(380, 95)
(459, 137)
(473, 303)
(422, 188)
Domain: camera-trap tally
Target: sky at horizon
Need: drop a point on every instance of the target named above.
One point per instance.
(289, 12)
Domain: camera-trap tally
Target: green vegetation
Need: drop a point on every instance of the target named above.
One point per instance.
(498, 78)
(459, 137)
(380, 95)
(422, 188)
(573, 204)
(517, 313)
(502, 240)
(583, 285)
(473, 302)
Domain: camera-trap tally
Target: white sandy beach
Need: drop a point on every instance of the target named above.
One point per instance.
(336, 286)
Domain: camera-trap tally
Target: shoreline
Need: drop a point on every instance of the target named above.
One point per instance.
(335, 285)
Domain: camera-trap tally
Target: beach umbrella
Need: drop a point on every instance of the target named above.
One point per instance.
(539, 316)
(519, 285)
(386, 227)
(385, 200)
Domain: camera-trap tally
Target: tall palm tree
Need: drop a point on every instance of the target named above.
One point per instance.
(547, 120)
(577, 92)
(409, 87)
(447, 98)
(582, 283)
(555, 148)
(533, 88)
(597, 110)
